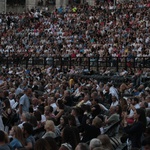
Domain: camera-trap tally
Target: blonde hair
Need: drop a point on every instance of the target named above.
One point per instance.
(49, 125)
(97, 122)
(105, 140)
(19, 134)
(47, 108)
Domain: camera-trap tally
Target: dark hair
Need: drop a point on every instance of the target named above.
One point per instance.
(146, 104)
(65, 119)
(76, 109)
(28, 128)
(31, 109)
(51, 109)
(69, 137)
(2, 136)
(42, 144)
(71, 120)
(86, 108)
(119, 111)
(136, 99)
(51, 142)
(60, 104)
(96, 100)
(6, 93)
(37, 114)
(33, 121)
(7, 103)
(146, 141)
(41, 109)
(142, 117)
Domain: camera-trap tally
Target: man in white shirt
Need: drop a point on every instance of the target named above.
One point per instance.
(114, 101)
(134, 105)
(113, 91)
(85, 101)
(52, 102)
(11, 99)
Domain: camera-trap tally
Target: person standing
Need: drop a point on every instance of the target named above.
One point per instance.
(1, 121)
(24, 102)
(1, 109)
(136, 130)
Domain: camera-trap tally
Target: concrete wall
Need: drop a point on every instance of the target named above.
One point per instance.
(2, 6)
(91, 2)
(16, 9)
(33, 3)
(62, 3)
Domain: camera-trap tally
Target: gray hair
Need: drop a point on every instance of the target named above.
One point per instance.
(95, 143)
(82, 146)
(27, 115)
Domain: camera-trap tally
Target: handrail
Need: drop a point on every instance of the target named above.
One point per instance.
(90, 63)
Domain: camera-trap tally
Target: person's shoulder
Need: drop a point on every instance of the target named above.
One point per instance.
(22, 96)
(30, 138)
(5, 147)
(14, 140)
(65, 146)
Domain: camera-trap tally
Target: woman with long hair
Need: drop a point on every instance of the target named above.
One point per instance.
(18, 140)
(59, 110)
(42, 144)
(69, 141)
(63, 122)
(136, 130)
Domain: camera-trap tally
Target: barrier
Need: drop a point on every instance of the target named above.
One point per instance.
(90, 63)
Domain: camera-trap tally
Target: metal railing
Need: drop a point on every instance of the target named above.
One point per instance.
(90, 63)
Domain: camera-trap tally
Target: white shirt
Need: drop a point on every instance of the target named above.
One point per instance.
(43, 118)
(54, 106)
(87, 103)
(114, 103)
(132, 112)
(21, 124)
(113, 91)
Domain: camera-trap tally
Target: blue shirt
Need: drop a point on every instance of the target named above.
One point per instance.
(15, 143)
(31, 139)
(24, 101)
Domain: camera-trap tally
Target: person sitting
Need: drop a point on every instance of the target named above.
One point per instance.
(50, 129)
(63, 122)
(95, 143)
(4, 141)
(69, 141)
(18, 140)
(95, 108)
(48, 111)
(25, 117)
(146, 143)
(105, 140)
(29, 139)
(42, 144)
(82, 146)
(113, 117)
(132, 106)
(93, 130)
(84, 101)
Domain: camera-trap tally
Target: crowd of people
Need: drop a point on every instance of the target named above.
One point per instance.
(48, 108)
